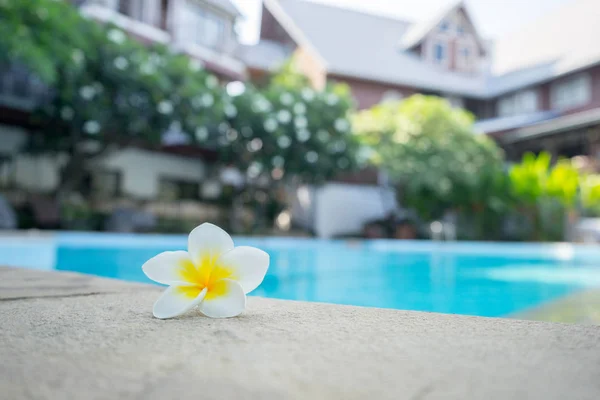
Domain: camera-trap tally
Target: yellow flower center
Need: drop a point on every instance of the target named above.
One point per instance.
(208, 274)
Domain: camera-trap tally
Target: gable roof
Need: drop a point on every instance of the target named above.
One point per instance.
(325, 27)
(227, 6)
(367, 46)
(417, 32)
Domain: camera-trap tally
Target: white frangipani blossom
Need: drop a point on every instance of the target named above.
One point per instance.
(207, 100)
(230, 110)
(271, 125)
(323, 135)
(254, 170)
(224, 127)
(303, 135)
(308, 94)
(278, 161)
(231, 135)
(332, 99)
(121, 63)
(87, 92)
(261, 104)
(196, 65)
(284, 116)
(284, 142)
(211, 82)
(147, 68)
(116, 36)
(255, 145)
(78, 56)
(300, 122)
(299, 108)
(312, 157)
(91, 127)
(165, 107)
(201, 134)
(212, 275)
(236, 88)
(341, 125)
(286, 99)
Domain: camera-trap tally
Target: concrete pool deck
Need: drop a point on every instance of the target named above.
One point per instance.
(71, 336)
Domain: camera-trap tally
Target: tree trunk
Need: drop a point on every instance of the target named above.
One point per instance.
(72, 175)
(75, 170)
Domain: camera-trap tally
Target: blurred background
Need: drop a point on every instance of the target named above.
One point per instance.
(445, 120)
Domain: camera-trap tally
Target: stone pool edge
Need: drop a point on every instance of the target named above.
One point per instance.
(69, 335)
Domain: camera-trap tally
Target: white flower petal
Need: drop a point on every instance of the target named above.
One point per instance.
(225, 299)
(208, 240)
(177, 300)
(248, 266)
(169, 267)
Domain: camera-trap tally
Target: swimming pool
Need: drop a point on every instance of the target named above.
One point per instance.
(462, 278)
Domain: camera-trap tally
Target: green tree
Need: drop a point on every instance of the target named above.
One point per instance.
(544, 194)
(431, 152)
(287, 130)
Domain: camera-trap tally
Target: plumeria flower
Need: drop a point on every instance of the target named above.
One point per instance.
(211, 275)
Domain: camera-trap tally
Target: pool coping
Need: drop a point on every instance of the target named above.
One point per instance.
(68, 335)
(563, 251)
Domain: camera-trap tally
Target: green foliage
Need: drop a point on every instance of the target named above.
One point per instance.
(290, 129)
(528, 178)
(590, 195)
(544, 194)
(429, 148)
(534, 178)
(562, 184)
(41, 34)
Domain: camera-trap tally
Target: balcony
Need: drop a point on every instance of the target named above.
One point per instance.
(139, 29)
(219, 61)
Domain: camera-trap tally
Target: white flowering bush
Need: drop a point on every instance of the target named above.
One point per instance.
(290, 129)
(108, 88)
(104, 86)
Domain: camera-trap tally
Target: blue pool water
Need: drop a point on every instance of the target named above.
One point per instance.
(462, 278)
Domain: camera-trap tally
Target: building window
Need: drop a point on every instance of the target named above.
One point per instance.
(207, 28)
(572, 92)
(506, 106)
(174, 189)
(523, 102)
(527, 101)
(460, 30)
(440, 52)
(132, 8)
(444, 26)
(164, 15)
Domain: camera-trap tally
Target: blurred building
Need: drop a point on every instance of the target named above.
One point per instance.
(204, 29)
(535, 89)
